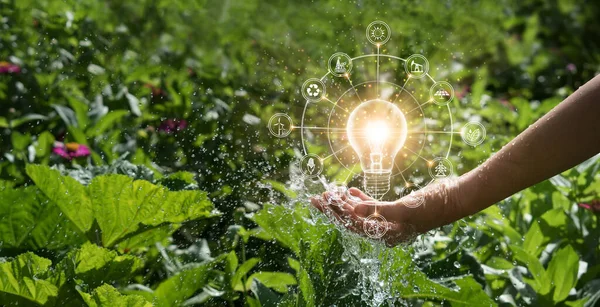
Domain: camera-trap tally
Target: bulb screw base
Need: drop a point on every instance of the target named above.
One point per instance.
(377, 183)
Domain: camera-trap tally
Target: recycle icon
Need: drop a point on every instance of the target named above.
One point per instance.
(313, 90)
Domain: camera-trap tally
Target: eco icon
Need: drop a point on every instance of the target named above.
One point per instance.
(378, 33)
(416, 66)
(440, 168)
(441, 93)
(340, 64)
(313, 90)
(473, 133)
(280, 125)
(311, 165)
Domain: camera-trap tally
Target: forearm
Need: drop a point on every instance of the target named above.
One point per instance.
(563, 138)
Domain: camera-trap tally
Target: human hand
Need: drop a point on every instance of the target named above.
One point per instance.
(436, 205)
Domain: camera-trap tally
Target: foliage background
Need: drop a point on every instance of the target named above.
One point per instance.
(106, 74)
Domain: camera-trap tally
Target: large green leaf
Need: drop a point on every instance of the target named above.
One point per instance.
(119, 204)
(66, 192)
(29, 220)
(562, 271)
(21, 279)
(108, 296)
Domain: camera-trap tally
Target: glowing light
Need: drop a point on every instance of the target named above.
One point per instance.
(377, 130)
(377, 133)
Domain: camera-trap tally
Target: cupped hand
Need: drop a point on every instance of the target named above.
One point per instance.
(436, 205)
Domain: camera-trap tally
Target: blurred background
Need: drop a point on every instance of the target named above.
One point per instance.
(151, 88)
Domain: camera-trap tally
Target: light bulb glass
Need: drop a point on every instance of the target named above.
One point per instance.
(377, 130)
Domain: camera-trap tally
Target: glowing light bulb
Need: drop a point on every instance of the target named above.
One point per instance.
(377, 131)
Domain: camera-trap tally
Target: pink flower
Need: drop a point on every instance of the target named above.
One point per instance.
(9, 68)
(594, 206)
(572, 68)
(172, 125)
(71, 150)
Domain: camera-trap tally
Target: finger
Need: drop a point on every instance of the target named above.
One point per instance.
(345, 214)
(316, 202)
(335, 214)
(360, 194)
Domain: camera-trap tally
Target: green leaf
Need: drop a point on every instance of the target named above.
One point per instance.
(67, 115)
(231, 263)
(27, 118)
(77, 135)
(179, 181)
(80, 109)
(134, 104)
(108, 296)
(176, 289)
(540, 283)
(20, 141)
(119, 204)
(562, 271)
(577, 303)
(534, 239)
(122, 204)
(270, 218)
(277, 281)
(470, 293)
(21, 277)
(44, 144)
(68, 194)
(28, 220)
(266, 297)
(243, 270)
(146, 236)
(105, 123)
(96, 265)
(181, 206)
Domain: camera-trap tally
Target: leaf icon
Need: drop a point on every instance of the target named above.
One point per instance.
(473, 135)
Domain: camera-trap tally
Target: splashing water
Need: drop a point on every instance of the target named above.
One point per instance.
(366, 257)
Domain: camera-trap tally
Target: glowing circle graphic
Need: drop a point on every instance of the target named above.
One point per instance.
(375, 226)
(378, 33)
(379, 122)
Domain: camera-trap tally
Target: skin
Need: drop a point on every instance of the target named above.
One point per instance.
(568, 135)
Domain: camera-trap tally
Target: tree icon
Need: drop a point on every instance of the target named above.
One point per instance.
(441, 170)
